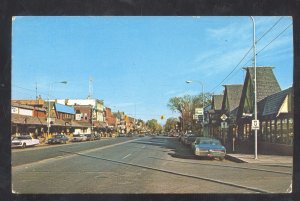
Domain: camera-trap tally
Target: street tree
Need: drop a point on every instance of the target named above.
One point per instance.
(153, 125)
(186, 105)
(170, 124)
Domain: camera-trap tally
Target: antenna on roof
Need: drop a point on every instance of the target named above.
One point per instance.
(90, 88)
(36, 96)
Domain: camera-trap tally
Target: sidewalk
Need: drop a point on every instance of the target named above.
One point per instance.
(261, 159)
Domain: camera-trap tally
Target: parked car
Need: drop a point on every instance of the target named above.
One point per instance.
(193, 145)
(97, 136)
(79, 138)
(121, 134)
(182, 138)
(209, 147)
(57, 139)
(24, 141)
(190, 140)
(89, 137)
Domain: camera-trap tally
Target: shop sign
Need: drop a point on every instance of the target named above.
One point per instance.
(14, 110)
(25, 112)
(198, 111)
(77, 117)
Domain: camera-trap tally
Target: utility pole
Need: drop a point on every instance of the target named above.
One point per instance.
(90, 88)
(36, 96)
(255, 89)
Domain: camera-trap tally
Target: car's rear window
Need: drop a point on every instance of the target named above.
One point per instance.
(213, 142)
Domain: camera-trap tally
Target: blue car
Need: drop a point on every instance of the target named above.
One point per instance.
(57, 139)
(209, 147)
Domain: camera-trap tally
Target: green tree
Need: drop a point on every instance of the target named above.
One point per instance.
(186, 106)
(153, 125)
(170, 124)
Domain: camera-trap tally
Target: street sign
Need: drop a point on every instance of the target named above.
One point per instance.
(200, 117)
(224, 124)
(198, 111)
(255, 125)
(224, 117)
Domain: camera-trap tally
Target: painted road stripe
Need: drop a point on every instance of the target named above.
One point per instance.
(126, 156)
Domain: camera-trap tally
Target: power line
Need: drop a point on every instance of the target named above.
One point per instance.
(269, 43)
(274, 39)
(256, 53)
(232, 70)
(31, 90)
(269, 29)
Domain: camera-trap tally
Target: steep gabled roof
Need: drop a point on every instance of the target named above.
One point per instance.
(272, 104)
(217, 102)
(267, 83)
(233, 94)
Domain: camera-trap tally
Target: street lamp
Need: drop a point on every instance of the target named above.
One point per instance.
(190, 81)
(255, 87)
(48, 120)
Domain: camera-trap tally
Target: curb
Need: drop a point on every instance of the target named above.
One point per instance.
(234, 159)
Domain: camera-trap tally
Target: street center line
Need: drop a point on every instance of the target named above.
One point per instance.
(126, 156)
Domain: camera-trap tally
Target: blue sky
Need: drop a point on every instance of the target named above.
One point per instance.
(138, 63)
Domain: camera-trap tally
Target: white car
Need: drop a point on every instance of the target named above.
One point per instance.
(24, 141)
(79, 138)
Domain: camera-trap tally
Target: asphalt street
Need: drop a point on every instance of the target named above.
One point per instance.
(137, 165)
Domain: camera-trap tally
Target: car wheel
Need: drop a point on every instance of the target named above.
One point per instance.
(24, 145)
(65, 142)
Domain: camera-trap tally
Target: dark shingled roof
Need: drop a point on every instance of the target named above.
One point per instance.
(233, 94)
(271, 104)
(217, 102)
(267, 83)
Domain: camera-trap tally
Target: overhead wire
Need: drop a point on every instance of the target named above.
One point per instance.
(269, 43)
(269, 29)
(256, 53)
(274, 39)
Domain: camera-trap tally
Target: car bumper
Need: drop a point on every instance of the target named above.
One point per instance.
(16, 145)
(211, 154)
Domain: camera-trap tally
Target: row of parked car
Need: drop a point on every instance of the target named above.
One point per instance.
(203, 146)
(26, 140)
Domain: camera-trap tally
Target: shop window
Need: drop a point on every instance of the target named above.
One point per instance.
(284, 131)
(290, 131)
(244, 132)
(268, 131)
(263, 131)
(273, 131)
(279, 138)
(248, 130)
